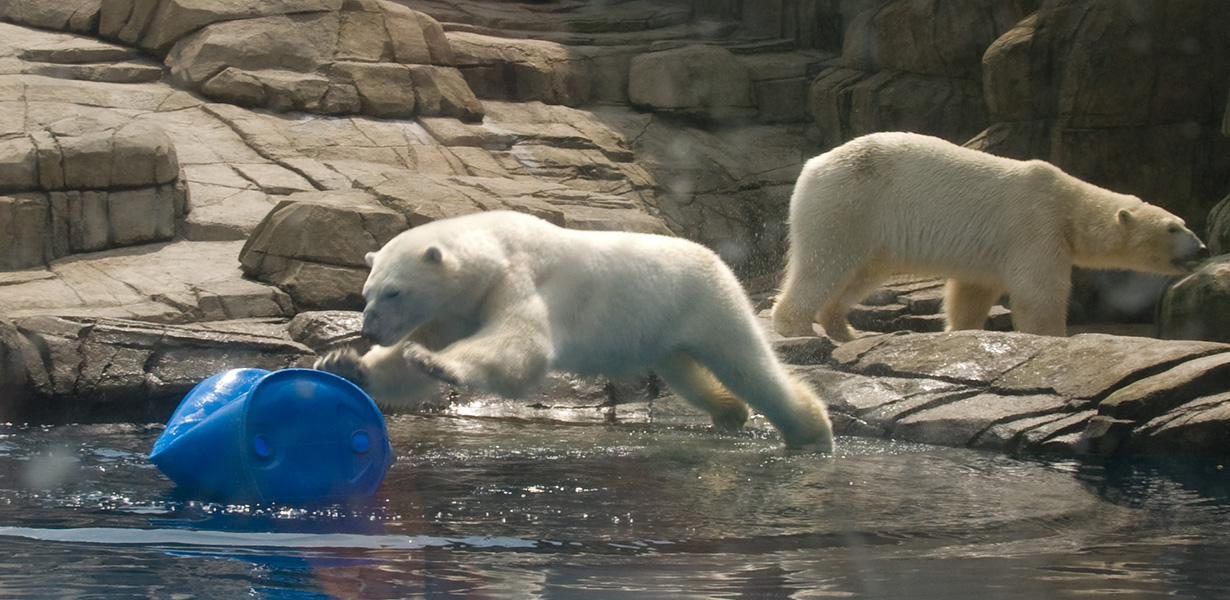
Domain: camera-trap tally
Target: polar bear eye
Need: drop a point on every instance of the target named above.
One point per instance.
(1174, 228)
(390, 294)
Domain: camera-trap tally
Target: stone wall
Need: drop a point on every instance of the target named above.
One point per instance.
(1125, 94)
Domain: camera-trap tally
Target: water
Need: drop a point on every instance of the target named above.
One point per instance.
(508, 508)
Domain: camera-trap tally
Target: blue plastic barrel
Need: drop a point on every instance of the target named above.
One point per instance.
(288, 435)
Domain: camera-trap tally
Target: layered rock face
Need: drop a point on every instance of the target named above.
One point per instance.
(1129, 95)
(180, 178)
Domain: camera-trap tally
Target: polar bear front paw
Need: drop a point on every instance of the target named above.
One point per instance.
(345, 363)
(424, 360)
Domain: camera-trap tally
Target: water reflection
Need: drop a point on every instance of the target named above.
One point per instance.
(480, 507)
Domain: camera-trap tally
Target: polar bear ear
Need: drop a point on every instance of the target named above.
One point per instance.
(369, 258)
(1124, 216)
(432, 255)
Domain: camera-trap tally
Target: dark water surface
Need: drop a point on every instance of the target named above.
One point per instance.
(504, 508)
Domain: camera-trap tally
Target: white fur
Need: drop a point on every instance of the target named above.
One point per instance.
(494, 301)
(889, 203)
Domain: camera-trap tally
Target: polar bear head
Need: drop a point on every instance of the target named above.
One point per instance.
(1157, 241)
(431, 272)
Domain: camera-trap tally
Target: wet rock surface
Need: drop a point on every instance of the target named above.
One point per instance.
(187, 187)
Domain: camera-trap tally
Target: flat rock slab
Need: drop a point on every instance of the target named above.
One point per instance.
(1087, 394)
(175, 282)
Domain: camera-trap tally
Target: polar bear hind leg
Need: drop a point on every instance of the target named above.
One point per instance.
(1039, 300)
(796, 306)
(760, 381)
(833, 315)
(967, 304)
(809, 297)
(701, 389)
(1038, 312)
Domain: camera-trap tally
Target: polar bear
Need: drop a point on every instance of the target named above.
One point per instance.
(889, 203)
(494, 301)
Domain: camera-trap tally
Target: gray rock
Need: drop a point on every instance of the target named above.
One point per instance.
(959, 421)
(422, 199)
(971, 357)
(1088, 367)
(1217, 237)
(81, 153)
(1197, 307)
(1085, 395)
(109, 368)
(1195, 428)
(443, 92)
(1157, 394)
(52, 225)
(324, 330)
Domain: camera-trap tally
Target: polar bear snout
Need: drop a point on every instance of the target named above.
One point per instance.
(371, 326)
(376, 329)
(1189, 251)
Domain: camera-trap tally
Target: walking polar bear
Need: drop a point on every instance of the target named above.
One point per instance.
(890, 203)
(494, 301)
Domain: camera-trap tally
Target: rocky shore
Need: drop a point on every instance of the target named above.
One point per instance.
(187, 187)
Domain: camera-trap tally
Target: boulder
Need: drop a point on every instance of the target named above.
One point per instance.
(156, 25)
(1193, 429)
(1217, 236)
(382, 89)
(300, 44)
(27, 240)
(372, 57)
(696, 80)
(77, 16)
(781, 83)
(521, 70)
(312, 245)
(86, 182)
(82, 153)
(1197, 307)
(56, 224)
(281, 90)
